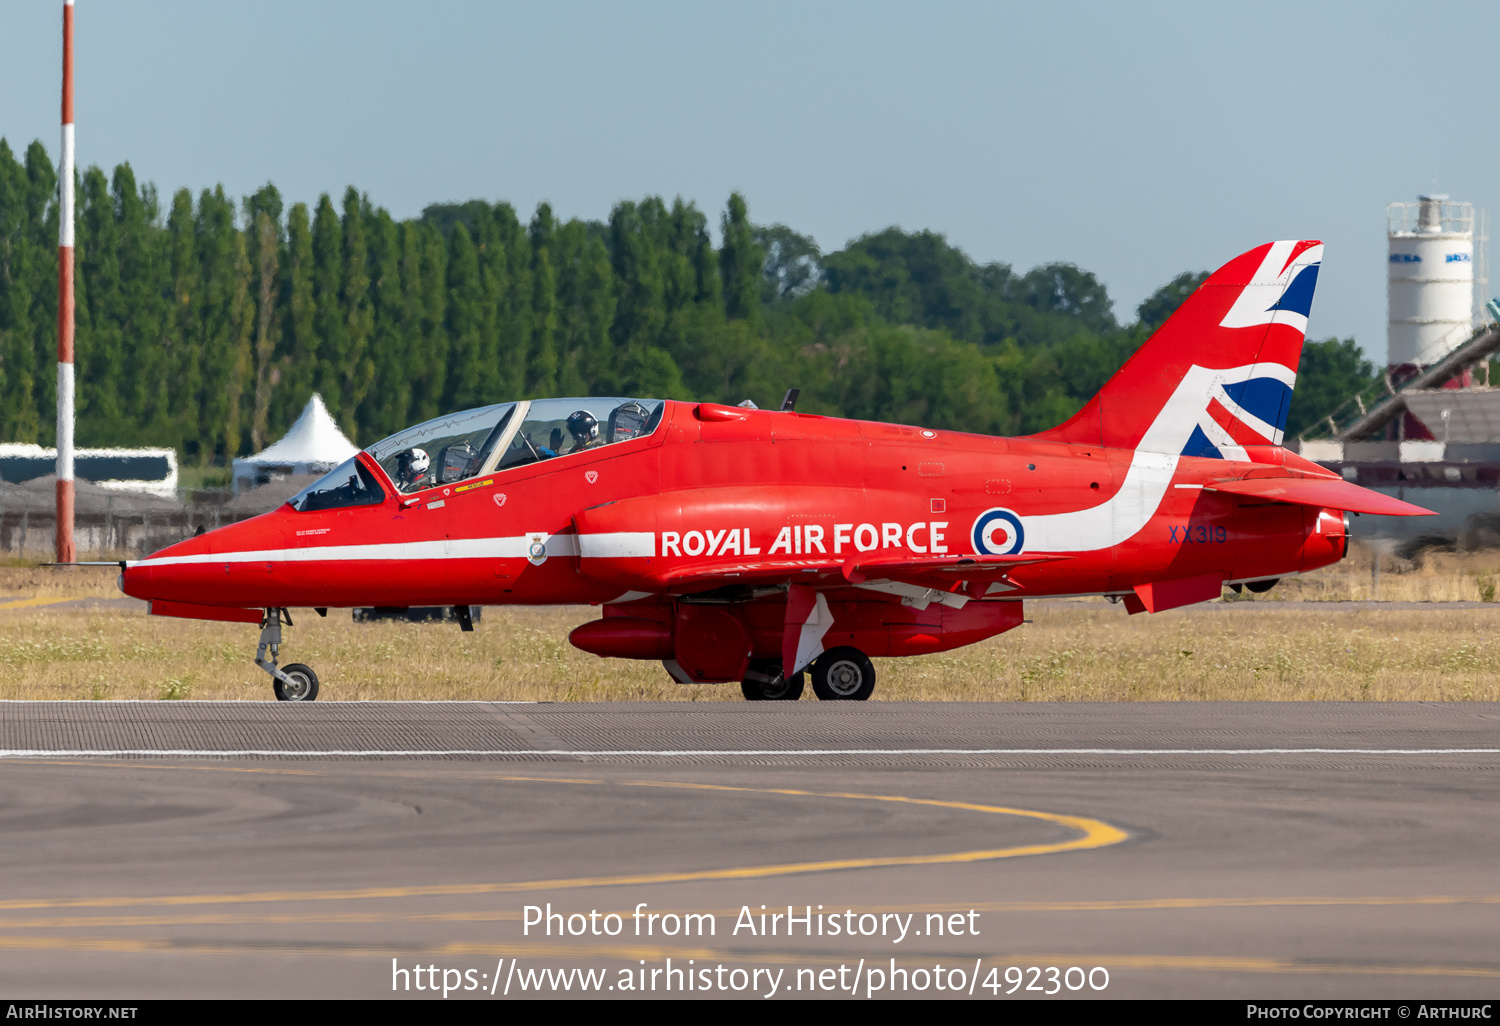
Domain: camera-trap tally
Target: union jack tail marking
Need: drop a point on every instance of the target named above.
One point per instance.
(1217, 377)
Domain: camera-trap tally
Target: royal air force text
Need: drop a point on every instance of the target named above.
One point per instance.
(924, 537)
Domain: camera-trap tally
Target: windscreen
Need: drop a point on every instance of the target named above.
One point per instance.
(348, 484)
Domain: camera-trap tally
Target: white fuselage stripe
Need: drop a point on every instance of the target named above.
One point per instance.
(627, 543)
(617, 545)
(43, 753)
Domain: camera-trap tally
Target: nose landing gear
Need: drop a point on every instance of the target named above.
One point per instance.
(295, 683)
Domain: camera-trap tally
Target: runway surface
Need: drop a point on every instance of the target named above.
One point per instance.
(1193, 849)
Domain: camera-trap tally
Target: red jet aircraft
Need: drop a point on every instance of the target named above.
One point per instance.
(737, 544)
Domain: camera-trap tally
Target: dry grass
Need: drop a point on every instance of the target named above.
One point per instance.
(1088, 652)
(1431, 576)
(24, 579)
(1075, 651)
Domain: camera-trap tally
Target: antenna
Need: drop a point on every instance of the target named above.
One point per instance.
(65, 550)
(789, 403)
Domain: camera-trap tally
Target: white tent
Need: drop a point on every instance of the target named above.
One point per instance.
(313, 445)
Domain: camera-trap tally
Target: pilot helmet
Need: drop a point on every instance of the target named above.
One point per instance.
(414, 463)
(583, 427)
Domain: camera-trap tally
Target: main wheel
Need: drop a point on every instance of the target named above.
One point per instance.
(764, 682)
(843, 675)
(304, 686)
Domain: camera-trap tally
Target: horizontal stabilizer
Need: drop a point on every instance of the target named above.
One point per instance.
(1318, 491)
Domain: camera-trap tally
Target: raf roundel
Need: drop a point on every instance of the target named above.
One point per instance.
(998, 532)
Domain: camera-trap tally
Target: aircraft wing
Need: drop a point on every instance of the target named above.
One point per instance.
(800, 571)
(1332, 492)
(941, 573)
(951, 567)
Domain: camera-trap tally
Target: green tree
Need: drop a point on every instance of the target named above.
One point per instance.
(640, 283)
(298, 356)
(740, 261)
(793, 266)
(505, 262)
(386, 405)
(466, 302)
(19, 281)
(356, 367)
(144, 409)
(918, 278)
(265, 246)
(424, 276)
(182, 331)
(1331, 372)
(585, 311)
(1065, 289)
(541, 368)
(42, 220)
(99, 312)
(330, 323)
(226, 325)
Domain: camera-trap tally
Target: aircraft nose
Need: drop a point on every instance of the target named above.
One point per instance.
(227, 566)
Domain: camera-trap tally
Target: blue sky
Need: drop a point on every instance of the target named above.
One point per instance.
(1137, 140)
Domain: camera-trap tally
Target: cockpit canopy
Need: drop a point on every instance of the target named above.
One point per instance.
(445, 449)
(484, 440)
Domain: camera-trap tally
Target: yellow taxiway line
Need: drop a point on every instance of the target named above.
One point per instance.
(1091, 833)
(33, 602)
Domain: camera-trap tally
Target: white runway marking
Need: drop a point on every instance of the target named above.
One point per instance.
(261, 701)
(190, 753)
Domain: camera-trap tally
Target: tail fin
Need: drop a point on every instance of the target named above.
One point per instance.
(1218, 375)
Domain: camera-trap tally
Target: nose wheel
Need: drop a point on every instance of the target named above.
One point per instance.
(300, 684)
(294, 683)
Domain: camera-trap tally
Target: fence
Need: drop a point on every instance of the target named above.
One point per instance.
(30, 534)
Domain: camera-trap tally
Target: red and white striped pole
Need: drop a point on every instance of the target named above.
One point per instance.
(65, 551)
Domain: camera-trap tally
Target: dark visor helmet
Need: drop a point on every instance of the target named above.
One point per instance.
(583, 427)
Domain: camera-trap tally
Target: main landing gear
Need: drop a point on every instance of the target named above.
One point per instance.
(764, 682)
(296, 682)
(843, 674)
(838, 675)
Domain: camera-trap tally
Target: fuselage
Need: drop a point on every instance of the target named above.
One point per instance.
(733, 543)
(714, 492)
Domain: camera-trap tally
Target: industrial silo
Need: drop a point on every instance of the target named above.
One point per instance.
(1430, 283)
